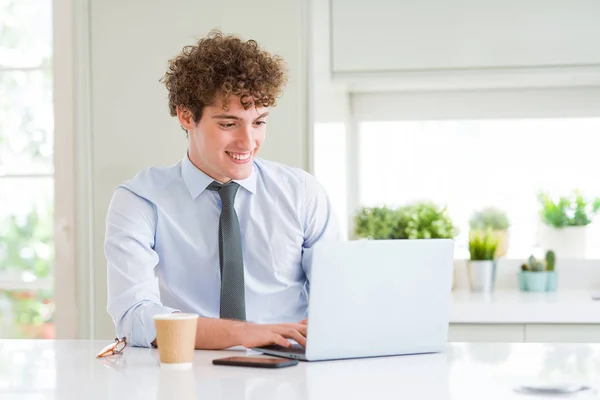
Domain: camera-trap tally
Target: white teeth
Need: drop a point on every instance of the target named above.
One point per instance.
(239, 156)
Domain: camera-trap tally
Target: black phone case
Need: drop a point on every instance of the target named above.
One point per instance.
(284, 363)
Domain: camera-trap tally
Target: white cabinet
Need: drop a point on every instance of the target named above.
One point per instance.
(531, 333)
(496, 333)
(562, 333)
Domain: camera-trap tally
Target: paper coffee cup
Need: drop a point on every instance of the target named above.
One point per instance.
(176, 339)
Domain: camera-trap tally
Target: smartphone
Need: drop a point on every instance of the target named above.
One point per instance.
(257, 362)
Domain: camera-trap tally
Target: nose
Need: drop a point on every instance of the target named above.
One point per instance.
(245, 139)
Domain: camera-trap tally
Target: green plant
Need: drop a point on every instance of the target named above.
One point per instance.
(535, 265)
(482, 245)
(572, 210)
(550, 260)
(489, 217)
(26, 246)
(425, 220)
(376, 223)
(26, 242)
(419, 220)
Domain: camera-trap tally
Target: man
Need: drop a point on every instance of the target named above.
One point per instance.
(222, 233)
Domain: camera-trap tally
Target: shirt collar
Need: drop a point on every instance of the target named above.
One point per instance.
(197, 181)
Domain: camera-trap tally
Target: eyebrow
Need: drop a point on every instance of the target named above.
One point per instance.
(228, 116)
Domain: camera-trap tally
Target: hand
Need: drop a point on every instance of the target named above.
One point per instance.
(304, 321)
(254, 335)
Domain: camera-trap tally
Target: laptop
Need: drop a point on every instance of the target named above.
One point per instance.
(371, 298)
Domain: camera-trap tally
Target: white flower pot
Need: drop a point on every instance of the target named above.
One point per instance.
(568, 242)
(482, 275)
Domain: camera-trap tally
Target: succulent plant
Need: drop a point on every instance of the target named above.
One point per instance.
(534, 265)
(524, 267)
(550, 260)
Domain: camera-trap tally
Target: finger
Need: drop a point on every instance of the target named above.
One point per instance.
(304, 321)
(301, 328)
(297, 327)
(297, 336)
(280, 340)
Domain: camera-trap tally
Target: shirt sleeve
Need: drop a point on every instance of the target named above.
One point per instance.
(320, 223)
(133, 294)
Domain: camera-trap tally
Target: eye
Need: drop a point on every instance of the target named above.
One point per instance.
(226, 126)
(259, 123)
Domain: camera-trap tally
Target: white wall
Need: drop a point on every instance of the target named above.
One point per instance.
(65, 241)
(330, 114)
(380, 45)
(381, 35)
(131, 43)
(328, 101)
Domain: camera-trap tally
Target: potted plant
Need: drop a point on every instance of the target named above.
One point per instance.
(495, 220)
(376, 223)
(565, 223)
(425, 220)
(539, 275)
(481, 267)
(419, 220)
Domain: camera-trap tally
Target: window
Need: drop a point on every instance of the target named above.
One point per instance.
(469, 164)
(26, 169)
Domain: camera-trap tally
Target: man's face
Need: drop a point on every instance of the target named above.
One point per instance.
(224, 143)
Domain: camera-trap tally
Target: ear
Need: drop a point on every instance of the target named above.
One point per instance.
(185, 117)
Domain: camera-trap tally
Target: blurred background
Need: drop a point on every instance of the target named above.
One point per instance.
(421, 119)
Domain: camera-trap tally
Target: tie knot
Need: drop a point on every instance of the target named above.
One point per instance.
(227, 192)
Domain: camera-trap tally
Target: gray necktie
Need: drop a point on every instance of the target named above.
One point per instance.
(233, 294)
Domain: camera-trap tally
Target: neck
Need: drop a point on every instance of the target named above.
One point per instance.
(198, 163)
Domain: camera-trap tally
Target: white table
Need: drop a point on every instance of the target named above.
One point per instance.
(69, 370)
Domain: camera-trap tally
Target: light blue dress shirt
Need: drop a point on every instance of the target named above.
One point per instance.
(162, 245)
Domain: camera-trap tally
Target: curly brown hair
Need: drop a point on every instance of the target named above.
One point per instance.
(223, 65)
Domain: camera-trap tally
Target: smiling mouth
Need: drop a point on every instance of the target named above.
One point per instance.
(239, 156)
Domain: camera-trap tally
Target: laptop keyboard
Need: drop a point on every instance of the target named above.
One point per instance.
(296, 348)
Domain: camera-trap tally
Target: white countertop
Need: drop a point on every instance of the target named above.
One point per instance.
(515, 307)
(69, 370)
